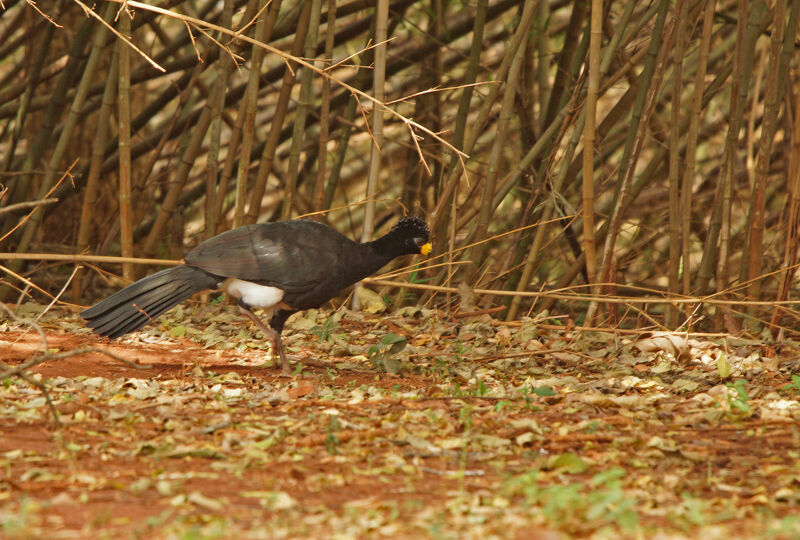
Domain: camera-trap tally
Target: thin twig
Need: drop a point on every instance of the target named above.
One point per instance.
(56, 297)
(91, 13)
(67, 174)
(288, 57)
(43, 14)
(26, 204)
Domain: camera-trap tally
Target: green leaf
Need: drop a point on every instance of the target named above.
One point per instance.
(568, 462)
(544, 391)
(723, 366)
(178, 331)
(391, 339)
(397, 347)
(604, 477)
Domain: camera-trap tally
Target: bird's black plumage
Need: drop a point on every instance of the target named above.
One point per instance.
(288, 265)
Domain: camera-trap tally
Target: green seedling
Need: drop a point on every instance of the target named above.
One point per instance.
(740, 400)
(324, 331)
(382, 353)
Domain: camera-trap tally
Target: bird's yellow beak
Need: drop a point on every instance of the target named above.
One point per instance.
(426, 248)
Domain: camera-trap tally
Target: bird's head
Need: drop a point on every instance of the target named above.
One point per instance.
(413, 234)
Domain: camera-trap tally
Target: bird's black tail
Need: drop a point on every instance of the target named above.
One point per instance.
(136, 305)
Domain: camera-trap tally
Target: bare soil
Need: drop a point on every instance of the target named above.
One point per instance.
(217, 443)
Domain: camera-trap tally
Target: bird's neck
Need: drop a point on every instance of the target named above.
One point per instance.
(375, 255)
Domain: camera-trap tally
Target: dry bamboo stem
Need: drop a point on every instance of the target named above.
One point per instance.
(274, 137)
(318, 193)
(478, 126)
(98, 145)
(212, 161)
(593, 84)
(681, 9)
(691, 142)
(247, 114)
(304, 104)
(772, 97)
(378, 80)
(559, 294)
(498, 147)
(792, 226)
(124, 129)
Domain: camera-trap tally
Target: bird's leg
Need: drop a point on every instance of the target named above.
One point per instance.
(273, 337)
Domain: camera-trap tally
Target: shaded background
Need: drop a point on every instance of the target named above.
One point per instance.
(667, 129)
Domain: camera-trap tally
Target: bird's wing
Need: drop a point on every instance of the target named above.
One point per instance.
(295, 256)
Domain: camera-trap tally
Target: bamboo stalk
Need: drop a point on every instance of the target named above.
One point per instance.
(318, 193)
(478, 126)
(792, 226)
(464, 107)
(790, 250)
(378, 78)
(88, 207)
(559, 87)
(498, 147)
(772, 97)
(691, 143)
(681, 9)
(212, 161)
(559, 124)
(301, 112)
(25, 101)
(247, 112)
(593, 84)
(634, 143)
(44, 133)
(281, 106)
(747, 30)
(124, 129)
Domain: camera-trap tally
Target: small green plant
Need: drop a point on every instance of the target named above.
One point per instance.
(324, 331)
(438, 369)
(381, 354)
(465, 416)
(786, 527)
(602, 502)
(794, 384)
(332, 440)
(525, 392)
(412, 278)
(18, 524)
(739, 400)
(461, 350)
(500, 405)
(544, 391)
(455, 391)
(481, 390)
(691, 512)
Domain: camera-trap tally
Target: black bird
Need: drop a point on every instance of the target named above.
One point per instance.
(287, 266)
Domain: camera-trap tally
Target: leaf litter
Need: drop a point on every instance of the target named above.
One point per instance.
(401, 424)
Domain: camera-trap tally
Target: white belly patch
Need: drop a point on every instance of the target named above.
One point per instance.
(252, 294)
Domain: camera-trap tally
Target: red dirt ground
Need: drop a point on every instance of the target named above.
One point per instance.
(191, 460)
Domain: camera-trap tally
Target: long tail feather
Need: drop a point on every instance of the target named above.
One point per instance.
(138, 304)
